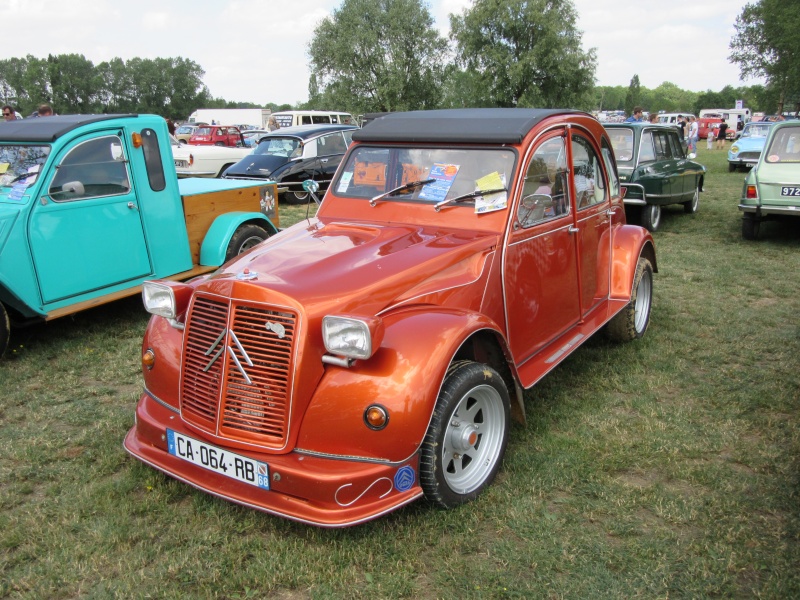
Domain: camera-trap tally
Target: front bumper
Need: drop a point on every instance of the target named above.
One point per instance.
(322, 491)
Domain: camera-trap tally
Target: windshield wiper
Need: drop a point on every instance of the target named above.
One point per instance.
(469, 196)
(18, 177)
(408, 187)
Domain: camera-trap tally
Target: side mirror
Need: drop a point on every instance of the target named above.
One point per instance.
(312, 187)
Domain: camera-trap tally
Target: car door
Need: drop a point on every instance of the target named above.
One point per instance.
(540, 273)
(593, 222)
(86, 230)
(684, 185)
(661, 179)
(330, 151)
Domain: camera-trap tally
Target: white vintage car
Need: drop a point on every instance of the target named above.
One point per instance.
(204, 161)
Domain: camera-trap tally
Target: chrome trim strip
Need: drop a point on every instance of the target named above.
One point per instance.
(161, 402)
(359, 459)
(771, 209)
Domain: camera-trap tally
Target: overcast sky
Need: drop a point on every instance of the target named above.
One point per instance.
(256, 50)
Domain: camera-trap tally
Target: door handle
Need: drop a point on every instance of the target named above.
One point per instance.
(573, 230)
(132, 206)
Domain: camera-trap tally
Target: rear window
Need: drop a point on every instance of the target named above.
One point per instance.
(785, 146)
(622, 142)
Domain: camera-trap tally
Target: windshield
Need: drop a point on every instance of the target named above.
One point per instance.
(19, 167)
(287, 147)
(622, 142)
(184, 129)
(785, 146)
(756, 130)
(435, 174)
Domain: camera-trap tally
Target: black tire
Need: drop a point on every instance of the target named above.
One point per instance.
(750, 226)
(731, 167)
(244, 238)
(5, 330)
(632, 321)
(651, 216)
(690, 207)
(296, 198)
(467, 436)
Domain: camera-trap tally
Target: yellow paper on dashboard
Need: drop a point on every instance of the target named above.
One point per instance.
(491, 202)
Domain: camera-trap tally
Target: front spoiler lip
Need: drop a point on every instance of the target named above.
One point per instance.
(296, 472)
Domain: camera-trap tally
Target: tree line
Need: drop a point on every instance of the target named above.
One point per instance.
(500, 53)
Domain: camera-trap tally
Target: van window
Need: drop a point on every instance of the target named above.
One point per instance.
(91, 169)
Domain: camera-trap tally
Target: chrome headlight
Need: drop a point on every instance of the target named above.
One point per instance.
(352, 337)
(735, 149)
(159, 299)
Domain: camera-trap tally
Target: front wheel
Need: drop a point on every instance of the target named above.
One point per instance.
(750, 226)
(5, 330)
(651, 216)
(690, 206)
(631, 322)
(731, 167)
(244, 238)
(467, 436)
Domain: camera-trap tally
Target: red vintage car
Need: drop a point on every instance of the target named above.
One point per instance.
(376, 354)
(217, 135)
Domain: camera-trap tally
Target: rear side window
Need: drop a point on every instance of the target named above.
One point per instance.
(663, 151)
(152, 160)
(646, 151)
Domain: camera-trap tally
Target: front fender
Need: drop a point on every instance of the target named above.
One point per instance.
(215, 244)
(404, 376)
(629, 243)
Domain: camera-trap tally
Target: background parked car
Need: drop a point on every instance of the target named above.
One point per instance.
(204, 161)
(772, 188)
(184, 133)
(291, 155)
(217, 135)
(253, 136)
(654, 168)
(746, 151)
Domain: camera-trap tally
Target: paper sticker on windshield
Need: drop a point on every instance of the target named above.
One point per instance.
(491, 202)
(344, 182)
(443, 177)
(4, 167)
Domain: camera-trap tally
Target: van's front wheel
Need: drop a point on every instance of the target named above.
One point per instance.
(467, 436)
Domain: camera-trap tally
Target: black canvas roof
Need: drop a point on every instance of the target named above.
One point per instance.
(458, 125)
(47, 129)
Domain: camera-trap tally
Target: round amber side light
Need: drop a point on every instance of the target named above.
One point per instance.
(149, 358)
(376, 417)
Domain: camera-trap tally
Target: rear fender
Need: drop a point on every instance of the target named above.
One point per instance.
(404, 376)
(215, 244)
(629, 243)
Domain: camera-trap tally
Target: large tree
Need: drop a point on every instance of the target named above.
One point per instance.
(634, 96)
(524, 53)
(767, 44)
(377, 55)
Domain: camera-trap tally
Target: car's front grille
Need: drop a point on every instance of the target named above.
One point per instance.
(237, 367)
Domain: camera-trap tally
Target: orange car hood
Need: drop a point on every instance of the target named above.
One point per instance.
(360, 266)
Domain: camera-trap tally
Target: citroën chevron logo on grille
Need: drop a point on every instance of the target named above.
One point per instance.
(219, 346)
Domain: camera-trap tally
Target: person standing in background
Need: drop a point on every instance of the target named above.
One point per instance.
(8, 113)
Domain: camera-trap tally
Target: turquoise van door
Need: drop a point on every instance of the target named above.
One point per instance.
(86, 230)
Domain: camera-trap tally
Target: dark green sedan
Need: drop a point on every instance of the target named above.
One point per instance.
(654, 170)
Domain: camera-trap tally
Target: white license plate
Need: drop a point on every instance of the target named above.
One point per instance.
(790, 191)
(218, 460)
(180, 163)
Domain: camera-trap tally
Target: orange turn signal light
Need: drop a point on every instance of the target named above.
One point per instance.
(376, 417)
(752, 192)
(149, 358)
(136, 139)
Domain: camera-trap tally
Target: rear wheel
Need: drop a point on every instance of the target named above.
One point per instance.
(750, 226)
(731, 167)
(5, 330)
(244, 238)
(631, 323)
(690, 207)
(467, 436)
(296, 197)
(651, 216)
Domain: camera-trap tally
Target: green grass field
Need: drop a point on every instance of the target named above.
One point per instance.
(665, 468)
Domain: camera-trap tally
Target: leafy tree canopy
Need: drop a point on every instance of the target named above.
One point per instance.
(766, 44)
(375, 56)
(522, 53)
